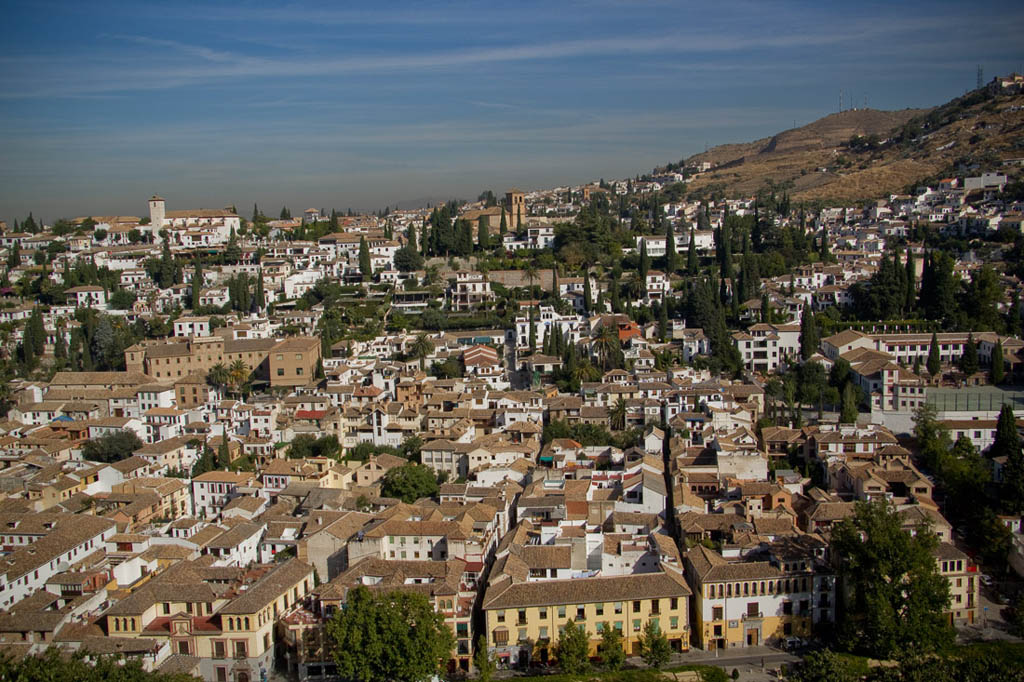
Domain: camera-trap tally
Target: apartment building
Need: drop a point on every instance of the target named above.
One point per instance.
(524, 618)
(750, 603)
(225, 617)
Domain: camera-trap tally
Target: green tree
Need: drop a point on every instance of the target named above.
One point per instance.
(1007, 440)
(112, 447)
(409, 483)
(613, 656)
(671, 257)
(56, 665)
(421, 347)
(934, 363)
(482, 661)
(365, 264)
(645, 262)
(407, 259)
(587, 296)
(223, 453)
(824, 666)
(691, 255)
(849, 412)
(895, 594)
(197, 283)
(809, 337)
(1007, 444)
(122, 299)
(482, 238)
(969, 358)
(503, 227)
(998, 372)
(654, 647)
(232, 252)
(573, 649)
(390, 637)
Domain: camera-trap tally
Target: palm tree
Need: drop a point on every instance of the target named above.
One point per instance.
(617, 415)
(636, 287)
(219, 376)
(421, 348)
(531, 274)
(605, 344)
(238, 374)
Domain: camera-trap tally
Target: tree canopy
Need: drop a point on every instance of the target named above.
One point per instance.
(390, 637)
(409, 482)
(112, 447)
(895, 594)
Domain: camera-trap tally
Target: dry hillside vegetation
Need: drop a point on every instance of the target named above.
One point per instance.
(895, 150)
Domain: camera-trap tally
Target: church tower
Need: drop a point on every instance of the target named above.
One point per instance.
(156, 213)
(515, 204)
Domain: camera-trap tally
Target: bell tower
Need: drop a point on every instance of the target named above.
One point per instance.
(156, 213)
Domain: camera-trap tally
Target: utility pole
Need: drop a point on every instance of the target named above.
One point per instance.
(981, 76)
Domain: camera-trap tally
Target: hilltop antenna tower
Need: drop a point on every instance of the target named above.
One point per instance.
(981, 77)
(840, 100)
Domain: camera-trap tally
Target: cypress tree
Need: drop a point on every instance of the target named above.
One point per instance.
(969, 358)
(808, 335)
(587, 305)
(1007, 440)
(533, 333)
(260, 298)
(663, 331)
(934, 363)
(645, 261)
(998, 364)
(691, 255)
(197, 283)
(35, 325)
(670, 248)
(223, 454)
(365, 264)
(503, 227)
(519, 218)
(766, 309)
(911, 297)
(481, 233)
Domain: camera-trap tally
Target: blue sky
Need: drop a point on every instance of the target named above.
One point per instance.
(364, 105)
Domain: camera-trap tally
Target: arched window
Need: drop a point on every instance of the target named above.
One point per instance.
(247, 622)
(746, 589)
(117, 625)
(728, 590)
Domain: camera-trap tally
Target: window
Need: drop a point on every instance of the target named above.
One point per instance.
(561, 612)
(522, 618)
(280, 371)
(673, 622)
(581, 613)
(599, 609)
(636, 625)
(618, 608)
(717, 613)
(220, 674)
(500, 616)
(501, 637)
(636, 606)
(543, 613)
(219, 650)
(166, 609)
(673, 603)
(241, 651)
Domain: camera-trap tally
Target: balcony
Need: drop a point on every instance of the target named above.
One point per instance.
(753, 615)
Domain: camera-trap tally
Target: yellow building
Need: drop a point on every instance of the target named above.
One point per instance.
(524, 618)
(748, 603)
(226, 617)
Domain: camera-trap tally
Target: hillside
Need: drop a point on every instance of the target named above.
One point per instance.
(896, 149)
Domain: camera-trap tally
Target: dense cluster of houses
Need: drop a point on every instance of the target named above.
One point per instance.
(706, 523)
